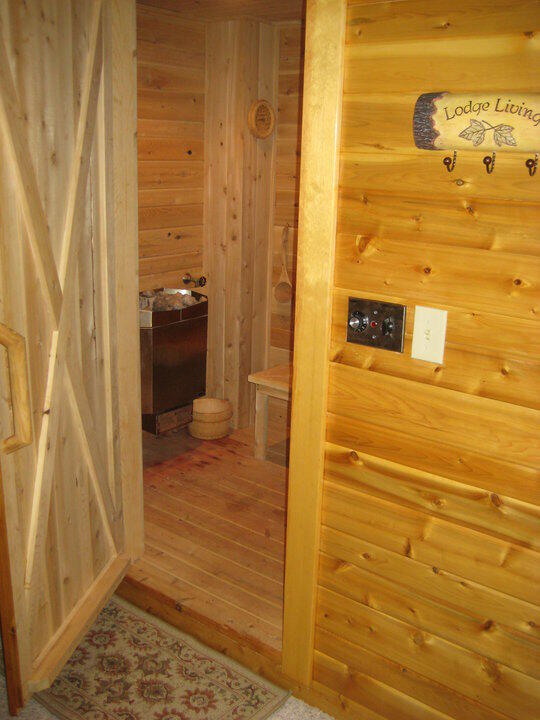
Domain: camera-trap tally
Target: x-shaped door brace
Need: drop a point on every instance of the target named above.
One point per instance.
(59, 287)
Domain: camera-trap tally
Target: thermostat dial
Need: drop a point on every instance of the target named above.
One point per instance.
(358, 321)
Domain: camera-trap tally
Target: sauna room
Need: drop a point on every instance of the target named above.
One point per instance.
(219, 92)
(270, 359)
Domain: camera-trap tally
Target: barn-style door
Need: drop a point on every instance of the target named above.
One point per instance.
(68, 287)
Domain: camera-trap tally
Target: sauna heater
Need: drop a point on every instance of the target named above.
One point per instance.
(173, 363)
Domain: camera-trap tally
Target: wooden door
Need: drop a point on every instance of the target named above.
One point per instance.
(71, 499)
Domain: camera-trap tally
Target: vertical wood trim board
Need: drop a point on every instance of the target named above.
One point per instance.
(264, 201)
(325, 28)
(240, 63)
(287, 184)
(239, 228)
(123, 79)
(218, 89)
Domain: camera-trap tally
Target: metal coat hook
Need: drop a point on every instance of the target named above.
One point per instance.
(531, 164)
(489, 162)
(450, 162)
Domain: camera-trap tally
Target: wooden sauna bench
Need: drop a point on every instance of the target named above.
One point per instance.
(274, 382)
(214, 548)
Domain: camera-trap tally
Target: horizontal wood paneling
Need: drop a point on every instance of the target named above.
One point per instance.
(501, 430)
(460, 221)
(459, 64)
(178, 148)
(170, 174)
(472, 506)
(169, 263)
(373, 679)
(166, 215)
(471, 467)
(169, 241)
(382, 22)
(171, 31)
(517, 694)
(367, 691)
(170, 110)
(170, 197)
(214, 10)
(496, 563)
(502, 283)
(170, 78)
(168, 105)
(154, 52)
(492, 640)
(493, 611)
(428, 578)
(407, 174)
(170, 130)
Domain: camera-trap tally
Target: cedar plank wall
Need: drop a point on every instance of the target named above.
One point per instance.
(291, 48)
(171, 79)
(241, 66)
(428, 592)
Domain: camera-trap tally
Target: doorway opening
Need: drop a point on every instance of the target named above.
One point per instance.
(218, 216)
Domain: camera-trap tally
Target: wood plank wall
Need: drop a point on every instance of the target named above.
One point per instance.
(429, 569)
(291, 51)
(171, 81)
(183, 214)
(239, 170)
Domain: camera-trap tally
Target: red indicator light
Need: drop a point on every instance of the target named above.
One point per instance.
(373, 323)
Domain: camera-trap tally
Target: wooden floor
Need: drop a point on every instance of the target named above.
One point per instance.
(215, 532)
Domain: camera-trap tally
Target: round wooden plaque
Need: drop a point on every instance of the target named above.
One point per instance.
(261, 119)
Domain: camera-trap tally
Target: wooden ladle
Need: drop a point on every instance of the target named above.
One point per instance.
(283, 291)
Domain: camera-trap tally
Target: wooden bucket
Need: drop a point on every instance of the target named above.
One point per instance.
(211, 419)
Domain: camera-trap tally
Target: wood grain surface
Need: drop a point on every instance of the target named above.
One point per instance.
(428, 576)
(170, 112)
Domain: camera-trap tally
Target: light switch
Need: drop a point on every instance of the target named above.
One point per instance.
(429, 334)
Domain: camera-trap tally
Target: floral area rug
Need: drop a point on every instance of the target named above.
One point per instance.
(131, 666)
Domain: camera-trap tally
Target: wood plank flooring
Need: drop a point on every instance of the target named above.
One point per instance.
(215, 538)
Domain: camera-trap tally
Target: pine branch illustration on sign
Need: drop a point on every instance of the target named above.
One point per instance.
(476, 133)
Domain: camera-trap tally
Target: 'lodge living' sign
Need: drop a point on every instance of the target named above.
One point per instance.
(444, 121)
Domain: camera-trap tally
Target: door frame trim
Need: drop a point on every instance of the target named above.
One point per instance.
(319, 181)
(120, 21)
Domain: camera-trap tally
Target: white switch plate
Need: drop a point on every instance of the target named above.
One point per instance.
(429, 334)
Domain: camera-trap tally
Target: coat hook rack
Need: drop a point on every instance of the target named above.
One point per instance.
(450, 162)
(489, 162)
(492, 122)
(531, 164)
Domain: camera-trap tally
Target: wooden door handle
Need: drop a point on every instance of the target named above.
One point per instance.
(20, 396)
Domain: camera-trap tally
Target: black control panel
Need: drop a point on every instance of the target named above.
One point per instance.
(377, 324)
